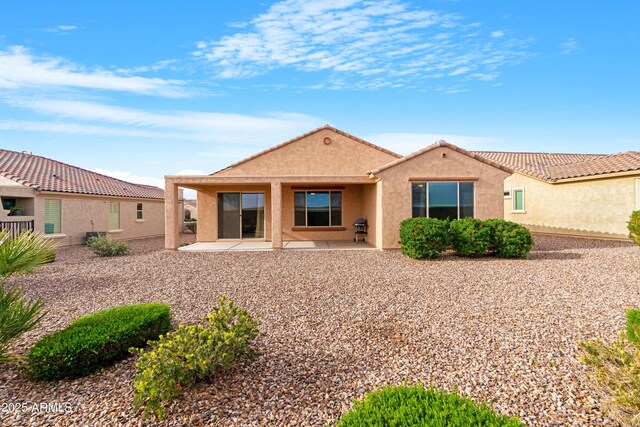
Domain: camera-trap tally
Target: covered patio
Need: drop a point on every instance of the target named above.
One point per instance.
(261, 212)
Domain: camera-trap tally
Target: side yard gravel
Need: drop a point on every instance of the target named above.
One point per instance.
(337, 324)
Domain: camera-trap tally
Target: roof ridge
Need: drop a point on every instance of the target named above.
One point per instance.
(441, 143)
(23, 153)
(304, 135)
(539, 152)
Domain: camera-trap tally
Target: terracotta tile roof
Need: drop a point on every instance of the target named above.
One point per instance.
(43, 174)
(442, 143)
(557, 166)
(297, 138)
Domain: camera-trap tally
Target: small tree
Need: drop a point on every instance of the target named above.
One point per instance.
(17, 313)
(634, 227)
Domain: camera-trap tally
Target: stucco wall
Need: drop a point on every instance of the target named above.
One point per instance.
(352, 208)
(396, 187)
(598, 208)
(77, 213)
(311, 156)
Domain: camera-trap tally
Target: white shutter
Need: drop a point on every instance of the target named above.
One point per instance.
(114, 215)
(52, 217)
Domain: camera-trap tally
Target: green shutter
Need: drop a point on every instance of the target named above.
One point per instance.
(518, 200)
(52, 217)
(114, 215)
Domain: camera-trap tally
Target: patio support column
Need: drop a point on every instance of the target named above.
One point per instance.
(171, 216)
(276, 215)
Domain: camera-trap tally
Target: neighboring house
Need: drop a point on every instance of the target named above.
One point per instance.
(191, 208)
(65, 201)
(573, 194)
(315, 186)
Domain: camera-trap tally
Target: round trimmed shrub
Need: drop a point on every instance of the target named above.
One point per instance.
(509, 239)
(405, 406)
(470, 237)
(423, 237)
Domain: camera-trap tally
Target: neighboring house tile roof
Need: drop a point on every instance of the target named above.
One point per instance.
(192, 202)
(297, 138)
(43, 174)
(438, 144)
(556, 166)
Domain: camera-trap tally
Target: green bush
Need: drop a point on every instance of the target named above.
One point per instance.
(404, 406)
(508, 239)
(633, 325)
(470, 237)
(423, 237)
(634, 227)
(192, 353)
(615, 369)
(97, 340)
(106, 246)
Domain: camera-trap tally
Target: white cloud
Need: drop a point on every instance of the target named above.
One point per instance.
(359, 39)
(407, 143)
(181, 125)
(21, 69)
(569, 46)
(62, 29)
(191, 172)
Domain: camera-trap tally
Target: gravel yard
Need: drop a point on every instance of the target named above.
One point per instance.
(338, 323)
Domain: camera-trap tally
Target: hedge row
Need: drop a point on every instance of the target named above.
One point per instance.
(428, 237)
(97, 340)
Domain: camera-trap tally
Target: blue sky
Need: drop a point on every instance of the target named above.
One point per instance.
(143, 89)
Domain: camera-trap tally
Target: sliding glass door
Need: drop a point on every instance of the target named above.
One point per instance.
(240, 215)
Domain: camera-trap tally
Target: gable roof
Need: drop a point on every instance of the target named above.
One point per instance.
(297, 138)
(558, 166)
(43, 174)
(439, 144)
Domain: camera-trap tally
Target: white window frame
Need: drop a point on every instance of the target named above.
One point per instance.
(139, 212)
(513, 205)
(306, 218)
(426, 184)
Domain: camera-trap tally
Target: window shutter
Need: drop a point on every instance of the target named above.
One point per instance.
(114, 215)
(52, 216)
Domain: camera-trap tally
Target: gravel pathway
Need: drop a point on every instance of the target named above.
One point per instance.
(336, 324)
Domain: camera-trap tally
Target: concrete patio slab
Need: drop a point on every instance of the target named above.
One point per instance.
(318, 245)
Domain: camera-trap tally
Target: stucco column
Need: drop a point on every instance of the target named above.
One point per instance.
(276, 215)
(171, 216)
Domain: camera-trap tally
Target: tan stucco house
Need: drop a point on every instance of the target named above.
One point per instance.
(589, 195)
(65, 202)
(315, 186)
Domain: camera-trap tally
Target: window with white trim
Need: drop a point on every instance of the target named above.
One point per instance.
(518, 199)
(114, 215)
(52, 216)
(139, 213)
(317, 208)
(442, 199)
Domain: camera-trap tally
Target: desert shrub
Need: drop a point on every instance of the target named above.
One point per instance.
(615, 369)
(106, 246)
(509, 239)
(192, 353)
(97, 340)
(18, 314)
(405, 406)
(633, 325)
(470, 237)
(192, 226)
(423, 237)
(634, 227)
